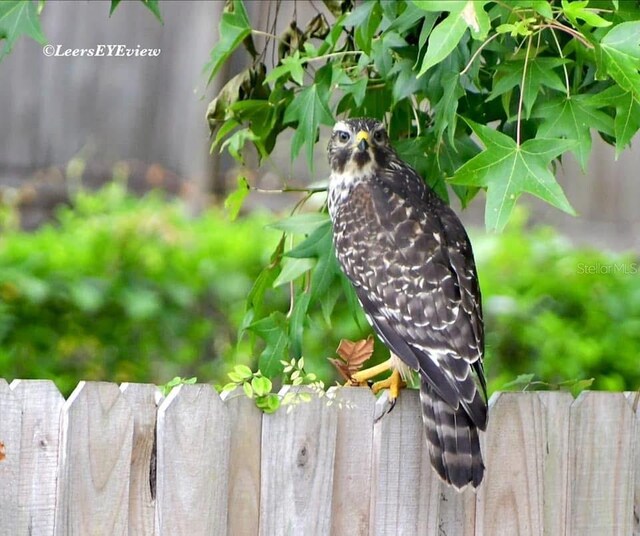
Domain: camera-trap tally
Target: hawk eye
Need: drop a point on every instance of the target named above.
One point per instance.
(378, 136)
(343, 136)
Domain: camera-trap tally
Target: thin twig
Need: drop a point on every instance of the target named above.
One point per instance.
(564, 66)
(521, 100)
(480, 49)
(287, 190)
(332, 55)
(566, 29)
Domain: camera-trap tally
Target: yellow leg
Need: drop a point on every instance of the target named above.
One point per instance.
(394, 383)
(366, 374)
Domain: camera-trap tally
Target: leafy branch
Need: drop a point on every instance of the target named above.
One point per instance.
(483, 95)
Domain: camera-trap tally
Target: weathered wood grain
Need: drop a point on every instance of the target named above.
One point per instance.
(298, 450)
(406, 491)
(353, 461)
(192, 463)
(557, 405)
(601, 475)
(142, 401)
(510, 500)
(633, 398)
(41, 404)
(245, 421)
(10, 444)
(96, 434)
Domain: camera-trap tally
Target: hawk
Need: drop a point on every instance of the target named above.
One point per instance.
(410, 262)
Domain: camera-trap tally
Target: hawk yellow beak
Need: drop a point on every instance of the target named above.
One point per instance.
(362, 140)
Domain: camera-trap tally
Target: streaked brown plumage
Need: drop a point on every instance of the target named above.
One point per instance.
(411, 264)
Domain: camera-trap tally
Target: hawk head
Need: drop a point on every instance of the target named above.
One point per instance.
(359, 147)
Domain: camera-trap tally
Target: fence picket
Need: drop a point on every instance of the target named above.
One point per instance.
(298, 450)
(601, 476)
(10, 439)
(245, 420)
(95, 442)
(142, 401)
(633, 398)
(352, 468)
(406, 491)
(510, 500)
(41, 404)
(192, 463)
(557, 405)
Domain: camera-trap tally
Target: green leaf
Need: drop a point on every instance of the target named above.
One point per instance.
(297, 321)
(540, 73)
(521, 381)
(261, 386)
(620, 55)
(269, 403)
(152, 5)
(264, 281)
(301, 223)
(579, 10)
(507, 171)
(292, 269)
(308, 110)
(447, 107)
(243, 371)
(291, 65)
(248, 390)
(627, 120)
(17, 18)
(540, 6)
(233, 202)
(274, 331)
(573, 118)
(114, 5)
(309, 247)
(443, 40)
(234, 27)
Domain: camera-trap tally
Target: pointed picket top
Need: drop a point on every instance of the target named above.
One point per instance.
(513, 448)
(245, 421)
(601, 473)
(41, 404)
(557, 406)
(406, 491)
(192, 462)
(142, 399)
(10, 439)
(633, 397)
(353, 460)
(95, 460)
(298, 449)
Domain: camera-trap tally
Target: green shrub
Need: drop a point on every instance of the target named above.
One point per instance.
(558, 311)
(126, 289)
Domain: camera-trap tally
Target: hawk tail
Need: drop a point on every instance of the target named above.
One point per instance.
(452, 438)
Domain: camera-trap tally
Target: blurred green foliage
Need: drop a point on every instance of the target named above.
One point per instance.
(127, 289)
(558, 311)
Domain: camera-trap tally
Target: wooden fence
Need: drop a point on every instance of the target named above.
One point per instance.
(119, 460)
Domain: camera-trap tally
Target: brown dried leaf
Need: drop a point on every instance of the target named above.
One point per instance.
(355, 353)
(352, 355)
(2, 451)
(342, 367)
